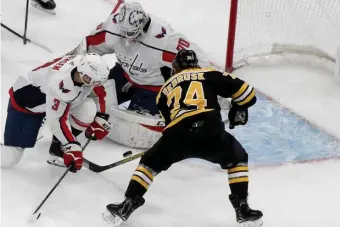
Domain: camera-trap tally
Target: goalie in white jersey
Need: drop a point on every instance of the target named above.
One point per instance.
(144, 47)
(69, 92)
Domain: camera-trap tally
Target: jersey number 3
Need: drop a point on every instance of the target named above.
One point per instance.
(56, 103)
(193, 97)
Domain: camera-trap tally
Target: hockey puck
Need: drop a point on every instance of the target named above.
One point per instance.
(127, 154)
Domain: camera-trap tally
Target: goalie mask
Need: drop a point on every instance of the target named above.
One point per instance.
(132, 20)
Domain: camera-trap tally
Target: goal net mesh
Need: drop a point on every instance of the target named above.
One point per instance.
(299, 25)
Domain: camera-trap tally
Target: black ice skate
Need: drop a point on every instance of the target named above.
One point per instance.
(117, 213)
(244, 215)
(57, 153)
(47, 6)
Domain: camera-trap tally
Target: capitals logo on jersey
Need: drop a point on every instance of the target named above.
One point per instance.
(61, 87)
(161, 35)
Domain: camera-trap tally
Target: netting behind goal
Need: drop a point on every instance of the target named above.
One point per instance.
(266, 27)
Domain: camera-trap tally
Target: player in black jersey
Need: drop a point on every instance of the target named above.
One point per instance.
(194, 129)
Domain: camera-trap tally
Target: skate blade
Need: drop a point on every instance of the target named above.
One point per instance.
(256, 223)
(37, 6)
(56, 162)
(113, 221)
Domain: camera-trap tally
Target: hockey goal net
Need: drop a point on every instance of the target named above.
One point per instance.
(263, 29)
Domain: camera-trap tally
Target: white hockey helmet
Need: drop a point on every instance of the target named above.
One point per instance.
(95, 68)
(132, 20)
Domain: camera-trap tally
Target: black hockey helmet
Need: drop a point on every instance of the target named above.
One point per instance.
(184, 59)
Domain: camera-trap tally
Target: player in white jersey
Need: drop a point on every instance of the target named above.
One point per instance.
(69, 92)
(144, 47)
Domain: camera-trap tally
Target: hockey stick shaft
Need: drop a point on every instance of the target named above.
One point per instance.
(27, 39)
(97, 168)
(52, 190)
(56, 184)
(14, 32)
(26, 21)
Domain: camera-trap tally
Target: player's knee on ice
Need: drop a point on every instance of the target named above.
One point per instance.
(82, 116)
(10, 156)
(21, 131)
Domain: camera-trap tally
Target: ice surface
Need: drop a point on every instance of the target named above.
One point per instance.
(192, 193)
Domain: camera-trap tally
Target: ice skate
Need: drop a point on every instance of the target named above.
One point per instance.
(47, 6)
(56, 153)
(244, 215)
(117, 213)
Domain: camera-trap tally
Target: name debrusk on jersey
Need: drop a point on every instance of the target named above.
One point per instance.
(190, 92)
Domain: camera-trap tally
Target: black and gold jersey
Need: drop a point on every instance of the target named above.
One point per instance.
(195, 91)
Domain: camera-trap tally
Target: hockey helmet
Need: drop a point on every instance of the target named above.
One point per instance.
(132, 20)
(95, 68)
(184, 59)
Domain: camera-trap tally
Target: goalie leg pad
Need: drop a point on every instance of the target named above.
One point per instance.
(132, 134)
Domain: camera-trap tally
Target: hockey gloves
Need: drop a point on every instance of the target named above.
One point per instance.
(237, 116)
(99, 128)
(73, 155)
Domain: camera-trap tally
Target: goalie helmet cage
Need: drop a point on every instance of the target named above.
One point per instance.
(263, 32)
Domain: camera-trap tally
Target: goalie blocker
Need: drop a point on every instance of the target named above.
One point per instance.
(194, 129)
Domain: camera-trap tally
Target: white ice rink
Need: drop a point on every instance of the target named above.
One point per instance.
(190, 194)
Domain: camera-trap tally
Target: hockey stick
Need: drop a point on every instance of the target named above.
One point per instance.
(97, 168)
(28, 40)
(26, 21)
(36, 215)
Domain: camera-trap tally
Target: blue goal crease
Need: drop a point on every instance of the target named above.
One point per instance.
(275, 135)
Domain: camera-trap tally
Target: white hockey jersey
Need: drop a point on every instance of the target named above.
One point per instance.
(50, 89)
(148, 57)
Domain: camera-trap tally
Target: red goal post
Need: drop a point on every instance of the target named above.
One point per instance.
(272, 31)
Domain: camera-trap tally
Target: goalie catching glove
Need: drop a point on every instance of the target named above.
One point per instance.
(99, 128)
(237, 116)
(73, 155)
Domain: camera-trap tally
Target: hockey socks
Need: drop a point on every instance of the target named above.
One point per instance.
(238, 180)
(140, 181)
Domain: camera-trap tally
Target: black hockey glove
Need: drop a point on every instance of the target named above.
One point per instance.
(237, 116)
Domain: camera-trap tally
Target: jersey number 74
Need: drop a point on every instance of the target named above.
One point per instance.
(193, 97)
